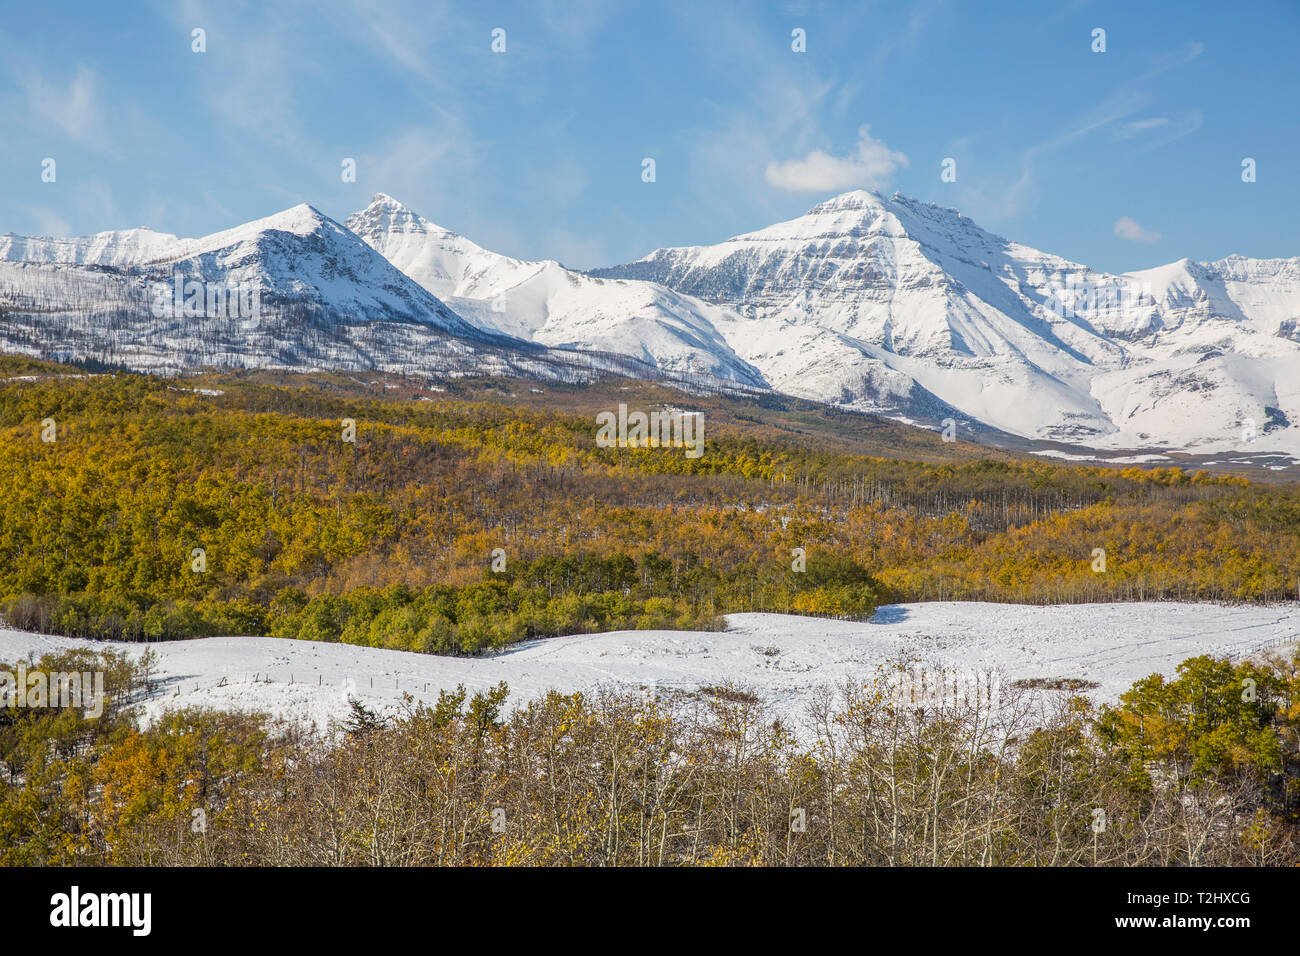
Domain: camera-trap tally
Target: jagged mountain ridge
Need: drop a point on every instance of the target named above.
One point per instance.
(887, 304)
(323, 299)
(120, 248)
(546, 303)
(893, 306)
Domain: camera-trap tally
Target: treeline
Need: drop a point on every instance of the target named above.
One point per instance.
(550, 597)
(1201, 770)
(164, 509)
(546, 597)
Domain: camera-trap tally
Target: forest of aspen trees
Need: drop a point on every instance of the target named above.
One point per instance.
(141, 508)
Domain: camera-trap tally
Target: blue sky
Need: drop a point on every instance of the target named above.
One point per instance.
(1122, 160)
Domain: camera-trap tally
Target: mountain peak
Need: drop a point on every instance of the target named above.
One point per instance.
(394, 211)
(303, 214)
(852, 200)
(386, 214)
(300, 220)
(305, 210)
(385, 201)
(387, 207)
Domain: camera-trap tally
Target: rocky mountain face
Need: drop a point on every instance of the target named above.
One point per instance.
(902, 307)
(546, 303)
(294, 290)
(886, 305)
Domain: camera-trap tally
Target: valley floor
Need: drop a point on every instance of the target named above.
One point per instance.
(780, 658)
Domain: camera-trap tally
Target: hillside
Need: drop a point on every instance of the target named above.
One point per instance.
(389, 540)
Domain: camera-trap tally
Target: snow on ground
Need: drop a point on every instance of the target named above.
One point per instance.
(1106, 459)
(780, 658)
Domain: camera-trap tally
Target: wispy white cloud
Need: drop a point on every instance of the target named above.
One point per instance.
(922, 15)
(1165, 129)
(409, 34)
(48, 222)
(1128, 228)
(422, 166)
(778, 114)
(255, 64)
(74, 107)
(1115, 115)
(870, 165)
(1137, 127)
(1172, 60)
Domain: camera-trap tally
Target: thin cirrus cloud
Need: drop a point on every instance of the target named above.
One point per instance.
(74, 108)
(870, 165)
(1116, 115)
(1128, 228)
(1137, 127)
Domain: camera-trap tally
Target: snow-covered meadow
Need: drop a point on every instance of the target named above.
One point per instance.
(780, 658)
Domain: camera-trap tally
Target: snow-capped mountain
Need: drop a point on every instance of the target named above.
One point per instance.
(549, 304)
(297, 257)
(905, 308)
(295, 289)
(893, 306)
(120, 248)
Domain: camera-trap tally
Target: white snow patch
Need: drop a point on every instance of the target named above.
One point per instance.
(780, 658)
